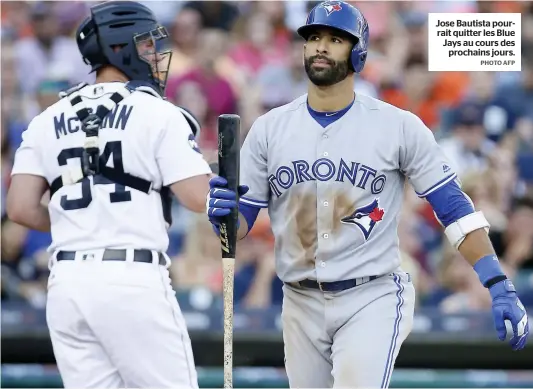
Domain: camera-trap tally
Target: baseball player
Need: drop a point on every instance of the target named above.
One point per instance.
(331, 167)
(111, 154)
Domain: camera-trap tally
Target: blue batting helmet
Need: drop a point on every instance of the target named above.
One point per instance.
(126, 35)
(343, 17)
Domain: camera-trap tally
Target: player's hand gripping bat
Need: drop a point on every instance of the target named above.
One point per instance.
(228, 167)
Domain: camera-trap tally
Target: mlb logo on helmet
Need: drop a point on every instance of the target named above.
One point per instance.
(331, 7)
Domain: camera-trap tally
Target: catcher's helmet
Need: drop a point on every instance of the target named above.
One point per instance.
(126, 35)
(344, 17)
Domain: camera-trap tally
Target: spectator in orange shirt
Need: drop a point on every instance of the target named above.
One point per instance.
(415, 93)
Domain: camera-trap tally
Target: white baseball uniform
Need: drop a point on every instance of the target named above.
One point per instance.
(114, 323)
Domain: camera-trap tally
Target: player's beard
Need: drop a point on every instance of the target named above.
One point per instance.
(336, 72)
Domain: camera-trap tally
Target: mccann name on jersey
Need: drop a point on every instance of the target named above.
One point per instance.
(116, 119)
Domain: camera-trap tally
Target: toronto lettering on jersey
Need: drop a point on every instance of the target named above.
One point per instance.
(115, 119)
(324, 169)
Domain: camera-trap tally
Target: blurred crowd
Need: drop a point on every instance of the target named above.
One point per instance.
(245, 58)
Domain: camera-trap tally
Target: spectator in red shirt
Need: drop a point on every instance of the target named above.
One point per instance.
(216, 90)
(261, 47)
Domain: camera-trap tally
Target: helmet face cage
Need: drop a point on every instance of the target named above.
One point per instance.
(151, 49)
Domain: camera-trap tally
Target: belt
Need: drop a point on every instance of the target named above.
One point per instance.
(335, 286)
(144, 256)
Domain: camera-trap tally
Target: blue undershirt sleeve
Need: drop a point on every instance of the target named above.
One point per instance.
(450, 203)
(250, 214)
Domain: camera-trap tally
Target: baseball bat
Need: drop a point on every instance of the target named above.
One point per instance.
(228, 167)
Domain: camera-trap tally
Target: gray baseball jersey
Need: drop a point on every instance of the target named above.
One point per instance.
(334, 194)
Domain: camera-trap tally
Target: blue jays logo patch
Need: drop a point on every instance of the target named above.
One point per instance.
(366, 217)
(331, 7)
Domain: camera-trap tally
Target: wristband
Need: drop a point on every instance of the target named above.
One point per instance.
(489, 271)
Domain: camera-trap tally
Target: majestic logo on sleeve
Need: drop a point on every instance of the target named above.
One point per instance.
(331, 7)
(366, 217)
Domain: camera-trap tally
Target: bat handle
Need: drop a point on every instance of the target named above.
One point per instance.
(228, 265)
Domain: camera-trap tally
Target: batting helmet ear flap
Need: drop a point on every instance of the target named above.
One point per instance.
(358, 60)
(360, 50)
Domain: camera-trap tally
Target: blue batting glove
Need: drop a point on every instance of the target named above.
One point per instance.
(507, 306)
(505, 303)
(220, 200)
